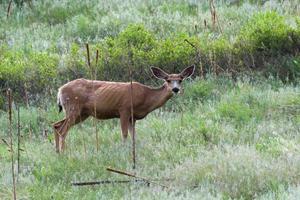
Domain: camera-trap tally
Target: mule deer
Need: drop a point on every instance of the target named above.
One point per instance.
(82, 98)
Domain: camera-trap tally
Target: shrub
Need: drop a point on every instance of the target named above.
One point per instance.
(35, 72)
(75, 64)
(173, 54)
(286, 67)
(267, 32)
(218, 55)
(132, 48)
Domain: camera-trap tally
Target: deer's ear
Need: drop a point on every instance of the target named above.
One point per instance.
(187, 72)
(158, 73)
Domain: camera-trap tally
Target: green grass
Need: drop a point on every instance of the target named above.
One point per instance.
(239, 140)
(221, 139)
(43, 46)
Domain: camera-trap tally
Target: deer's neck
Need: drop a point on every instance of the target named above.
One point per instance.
(157, 97)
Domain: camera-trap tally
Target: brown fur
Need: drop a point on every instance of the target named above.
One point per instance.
(82, 98)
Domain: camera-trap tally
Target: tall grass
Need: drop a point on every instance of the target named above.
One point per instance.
(211, 146)
(221, 139)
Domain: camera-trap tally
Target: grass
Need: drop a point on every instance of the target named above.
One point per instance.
(56, 24)
(239, 140)
(221, 139)
(43, 46)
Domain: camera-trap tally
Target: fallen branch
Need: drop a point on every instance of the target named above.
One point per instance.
(87, 183)
(135, 176)
(104, 182)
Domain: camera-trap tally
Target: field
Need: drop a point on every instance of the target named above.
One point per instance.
(230, 139)
(233, 134)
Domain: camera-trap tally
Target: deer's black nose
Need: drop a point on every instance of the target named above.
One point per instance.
(175, 90)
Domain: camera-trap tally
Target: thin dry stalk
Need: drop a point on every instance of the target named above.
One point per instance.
(5, 142)
(205, 23)
(84, 145)
(9, 8)
(132, 122)
(88, 54)
(95, 123)
(19, 141)
(97, 57)
(213, 13)
(214, 16)
(198, 57)
(30, 131)
(26, 95)
(93, 78)
(84, 148)
(135, 176)
(131, 112)
(9, 98)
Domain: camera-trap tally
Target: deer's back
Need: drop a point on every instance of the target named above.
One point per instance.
(101, 99)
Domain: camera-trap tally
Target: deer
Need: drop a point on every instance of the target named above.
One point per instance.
(82, 98)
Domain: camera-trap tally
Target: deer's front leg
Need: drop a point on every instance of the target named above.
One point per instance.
(124, 119)
(132, 128)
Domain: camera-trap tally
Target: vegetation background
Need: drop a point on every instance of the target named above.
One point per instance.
(233, 134)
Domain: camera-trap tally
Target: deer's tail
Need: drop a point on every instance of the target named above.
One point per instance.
(60, 108)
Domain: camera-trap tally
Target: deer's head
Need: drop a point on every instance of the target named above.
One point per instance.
(173, 81)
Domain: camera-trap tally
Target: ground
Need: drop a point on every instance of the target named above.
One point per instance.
(220, 139)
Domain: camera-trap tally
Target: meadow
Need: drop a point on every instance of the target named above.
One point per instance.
(233, 134)
(221, 139)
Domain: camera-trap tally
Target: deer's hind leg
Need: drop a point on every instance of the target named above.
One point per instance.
(57, 131)
(62, 127)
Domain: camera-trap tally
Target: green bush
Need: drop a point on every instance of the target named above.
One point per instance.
(173, 54)
(285, 67)
(34, 72)
(217, 55)
(75, 64)
(131, 48)
(267, 32)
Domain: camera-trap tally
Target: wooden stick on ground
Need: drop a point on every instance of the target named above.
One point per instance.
(87, 183)
(104, 182)
(135, 176)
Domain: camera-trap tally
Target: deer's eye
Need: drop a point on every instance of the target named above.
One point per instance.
(180, 81)
(168, 81)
